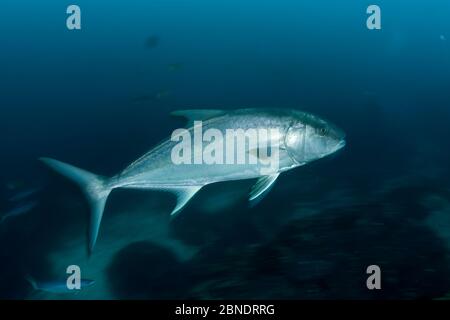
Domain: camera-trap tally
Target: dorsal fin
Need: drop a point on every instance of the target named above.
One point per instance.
(192, 115)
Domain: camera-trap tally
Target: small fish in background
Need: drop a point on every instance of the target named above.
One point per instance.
(173, 67)
(152, 42)
(442, 37)
(19, 211)
(27, 193)
(57, 286)
(162, 94)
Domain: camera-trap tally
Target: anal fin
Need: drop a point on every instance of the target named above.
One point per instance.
(184, 194)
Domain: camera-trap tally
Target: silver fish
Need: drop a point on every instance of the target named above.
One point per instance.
(56, 286)
(19, 210)
(25, 194)
(302, 138)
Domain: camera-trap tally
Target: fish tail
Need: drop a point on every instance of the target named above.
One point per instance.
(95, 188)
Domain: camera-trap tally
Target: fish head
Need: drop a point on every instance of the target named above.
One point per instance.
(310, 138)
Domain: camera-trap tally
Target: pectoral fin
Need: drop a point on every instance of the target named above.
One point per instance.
(261, 188)
(260, 154)
(184, 194)
(192, 115)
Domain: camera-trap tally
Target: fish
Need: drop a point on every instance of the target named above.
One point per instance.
(19, 210)
(25, 194)
(57, 286)
(301, 138)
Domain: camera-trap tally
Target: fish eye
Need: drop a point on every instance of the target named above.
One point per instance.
(322, 131)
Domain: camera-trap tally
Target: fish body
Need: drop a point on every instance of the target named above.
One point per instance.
(25, 194)
(57, 286)
(157, 169)
(19, 210)
(297, 137)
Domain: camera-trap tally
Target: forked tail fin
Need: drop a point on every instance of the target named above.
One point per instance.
(94, 187)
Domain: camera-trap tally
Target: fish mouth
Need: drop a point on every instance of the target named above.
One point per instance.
(340, 145)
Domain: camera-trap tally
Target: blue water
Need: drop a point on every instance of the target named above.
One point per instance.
(100, 97)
